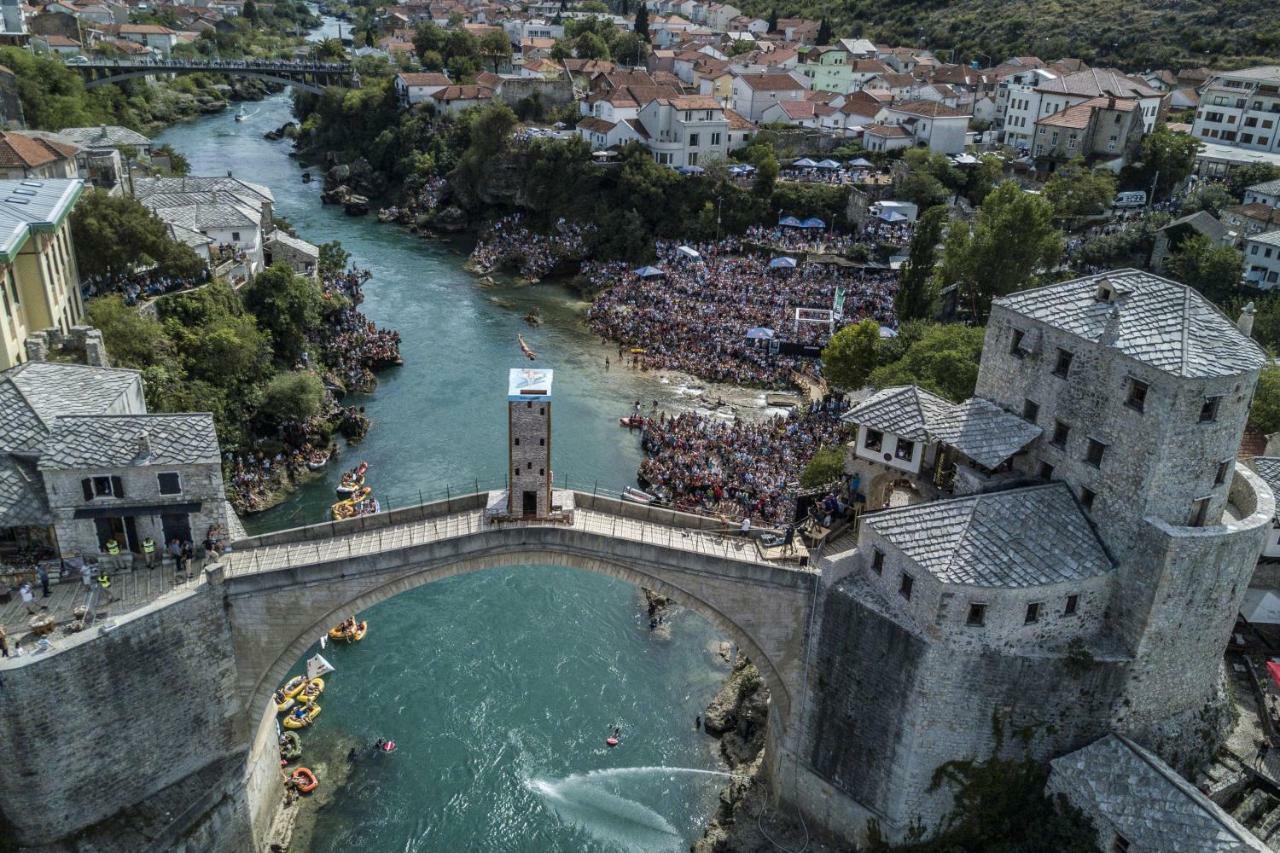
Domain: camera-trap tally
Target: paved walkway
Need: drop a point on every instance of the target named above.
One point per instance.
(272, 557)
(129, 590)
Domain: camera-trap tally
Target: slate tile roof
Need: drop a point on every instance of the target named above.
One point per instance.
(1267, 187)
(979, 429)
(1162, 323)
(1013, 539)
(22, 499)
(20, 428)
(50, 389)
(112, 441)
(1146, 801)
(1268, 468)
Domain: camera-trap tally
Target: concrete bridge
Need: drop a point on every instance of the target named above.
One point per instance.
(305, 75)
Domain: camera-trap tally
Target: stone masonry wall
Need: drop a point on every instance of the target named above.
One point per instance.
(104, 723)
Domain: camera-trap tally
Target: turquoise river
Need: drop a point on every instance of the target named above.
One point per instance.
(499, 687)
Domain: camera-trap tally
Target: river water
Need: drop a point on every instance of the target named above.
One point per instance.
(499, 687)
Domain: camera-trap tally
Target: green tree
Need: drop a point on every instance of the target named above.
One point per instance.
(293, 396)
(496, 48)
(590, 45)
(1240, 179)
(773, 20)
(641, 25)
(982, 178)
(1167, 158)
(850, 355)
(1010, 243)
(1213, 270)
(250, 10)
(921, 188)
(826, 466)
(115, 235)
(133, 339)
(331, 50)
(1264, 411)
(1075, 190)
(914, 300)
(824, 33)
(766, 174)
(287, 306)
(944, 360)
(333, 258)
(1207, 197)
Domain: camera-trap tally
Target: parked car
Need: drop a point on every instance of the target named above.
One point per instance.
(1132, 198)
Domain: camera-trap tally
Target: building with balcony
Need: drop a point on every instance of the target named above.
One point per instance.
(39, 280)
(686, 131)
(1241, 109)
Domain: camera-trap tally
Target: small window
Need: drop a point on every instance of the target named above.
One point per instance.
(170, 484)
(1030, 410)
(516, 441)
(904, 588)
(1137, 399)
(528, 466)
(1060, 433)
(1199, 513)
(1120, 845)
(977, 615)
(528, 405)
(542, 472)
(873, 440)
(542, 442)
(1062, 366)
(235, 235)
(904, 450)
(1209, 411)
(1224, 468)
(1087, 496)
(1015, 347)
(877, 560)
(1073, 603)
(102, 486)
(1046, 471)
(1033, 614)
(1093, 455)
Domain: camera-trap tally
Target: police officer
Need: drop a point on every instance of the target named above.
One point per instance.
(113, 547)
(104, 579)
(149, 551)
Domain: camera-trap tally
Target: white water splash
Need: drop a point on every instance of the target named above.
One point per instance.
(582, 800)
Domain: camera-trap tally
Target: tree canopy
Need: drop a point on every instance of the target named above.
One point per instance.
(115, 235)
(1076, 191)
(914, 300)
(1264, 412)
(942, 358)
(287, 306)
(850, 355)
(1211, 269)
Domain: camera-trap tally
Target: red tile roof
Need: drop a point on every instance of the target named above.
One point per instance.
(19, 150)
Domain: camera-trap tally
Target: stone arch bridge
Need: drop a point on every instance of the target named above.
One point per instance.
(305, 75)
(283, 590)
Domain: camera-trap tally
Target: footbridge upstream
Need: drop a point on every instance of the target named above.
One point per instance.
(306, 75)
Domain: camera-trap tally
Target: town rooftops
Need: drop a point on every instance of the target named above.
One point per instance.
(145, 30)
(1098, 81)
(199, 217)
(1263, 214)
(737, 121)
(1268, 468)
(1012, 539)
(592, 124)
(1201, 221)
(1271, 238)
(1145, 800)
(929, 109)
(462, 93)
(887, 131)
(1259, 73)
(770, 82)
(109, 441)
(977, 428)
(20, 150)
(35, 394)
(1266, 188)
(248, 192)
(297, 244)
(33, 205)
(1150, 319)
(22, 498)
(104, 136)
(424, 78)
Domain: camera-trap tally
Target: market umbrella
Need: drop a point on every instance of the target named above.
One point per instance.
(783, 263)
(828, 164)
(790, 222)
(803, 163)
(760, 333)
(892, 216)
(861, 163)
(813, 222)
(650, 272)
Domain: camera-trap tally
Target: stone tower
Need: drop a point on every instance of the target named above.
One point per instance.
(529, 443)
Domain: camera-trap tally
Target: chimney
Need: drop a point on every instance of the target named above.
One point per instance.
(1111, 331)
(144, 445)
(1245, 321)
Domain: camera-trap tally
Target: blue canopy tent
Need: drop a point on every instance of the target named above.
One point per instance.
(828, 164)
(790, 222)
(783, 263)
(813, 222)
(803, 163)
(760, 333)
(892, 216)
(650, 272)
(860, 163)
(741, 169)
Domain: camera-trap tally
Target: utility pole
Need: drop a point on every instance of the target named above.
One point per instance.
(1151, 199)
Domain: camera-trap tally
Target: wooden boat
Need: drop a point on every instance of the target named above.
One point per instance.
(630, 493)
(308, 716)
(290, 746)
(311, 692)
(349, 636)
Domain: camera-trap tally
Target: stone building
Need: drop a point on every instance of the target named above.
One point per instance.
(82, 463)
(529, 429)
(1066, 554)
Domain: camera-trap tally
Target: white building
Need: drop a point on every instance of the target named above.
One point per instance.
(931, 124)
(417, 88)
(752, 94)
(154, 36)
(685, 131)
(1241, 109)
(1267, 193)
(1262, 260)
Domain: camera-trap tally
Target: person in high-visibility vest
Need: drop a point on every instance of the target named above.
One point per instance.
(149, 551)
(104, 579)
(113, 547)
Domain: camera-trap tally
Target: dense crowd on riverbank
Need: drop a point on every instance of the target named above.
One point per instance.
(700, 463)
(510, 242)
(696, 316)
(800, 239)
(353, 345)
(135, 287)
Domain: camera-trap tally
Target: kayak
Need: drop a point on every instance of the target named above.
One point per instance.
(311, 692)
(290, 746)
(340, 633)
(293, 722)
(611, 741)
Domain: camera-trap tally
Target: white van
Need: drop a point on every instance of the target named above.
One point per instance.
(1133, 198)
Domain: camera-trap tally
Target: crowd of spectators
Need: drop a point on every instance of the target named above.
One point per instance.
(699, 463)
(352, 344)
(510, 243)
(695, 317)
(801, 239)
(137, 287)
